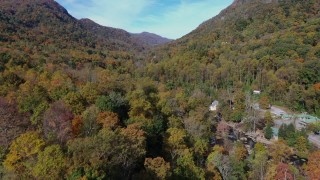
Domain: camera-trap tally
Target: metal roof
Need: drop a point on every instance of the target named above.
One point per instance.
(304, 117)
(215, 103)
(275, 131)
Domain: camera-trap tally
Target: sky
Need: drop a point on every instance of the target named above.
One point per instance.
(168, 18)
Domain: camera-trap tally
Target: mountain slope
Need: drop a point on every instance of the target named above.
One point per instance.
(46, 25)
(253, 44)
(45, 28)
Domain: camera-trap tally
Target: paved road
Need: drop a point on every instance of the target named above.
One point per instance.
(277, 111)
(274, 110)
(314, 139)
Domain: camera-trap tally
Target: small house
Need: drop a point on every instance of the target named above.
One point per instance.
(214, 105)
(256, 92)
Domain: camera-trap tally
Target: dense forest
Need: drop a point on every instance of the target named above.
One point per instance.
(83, 101)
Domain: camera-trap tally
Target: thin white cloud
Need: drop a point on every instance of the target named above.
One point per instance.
(178, 21)
(173, 21)
(115, 13)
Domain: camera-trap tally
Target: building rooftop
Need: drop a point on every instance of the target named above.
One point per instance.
(215, 103)
(304, 117)
(275, 131)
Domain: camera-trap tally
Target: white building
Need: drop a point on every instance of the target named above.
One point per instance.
(256, 92)
(214, 105)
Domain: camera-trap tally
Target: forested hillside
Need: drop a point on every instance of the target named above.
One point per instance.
(43, 28)
(83, 101)
(271, 46)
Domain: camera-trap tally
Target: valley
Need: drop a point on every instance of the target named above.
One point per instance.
(236, 98)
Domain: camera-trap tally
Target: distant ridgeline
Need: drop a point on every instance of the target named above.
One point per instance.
(45, 29)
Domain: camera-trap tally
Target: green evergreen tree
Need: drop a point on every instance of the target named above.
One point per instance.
(282, 131)
(291, 135)
(268, 132)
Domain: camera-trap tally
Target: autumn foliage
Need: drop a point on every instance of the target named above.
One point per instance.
(158, 167)
(283, 172)
(109, 120)
(313, 170)
(82, 101)
(57, 124)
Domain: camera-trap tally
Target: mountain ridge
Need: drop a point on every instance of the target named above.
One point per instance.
(46, 27)
(150, 38)
(35, 16)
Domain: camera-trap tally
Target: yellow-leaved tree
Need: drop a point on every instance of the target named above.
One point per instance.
(22, 154)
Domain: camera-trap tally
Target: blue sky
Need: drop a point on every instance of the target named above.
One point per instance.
(168, 18)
